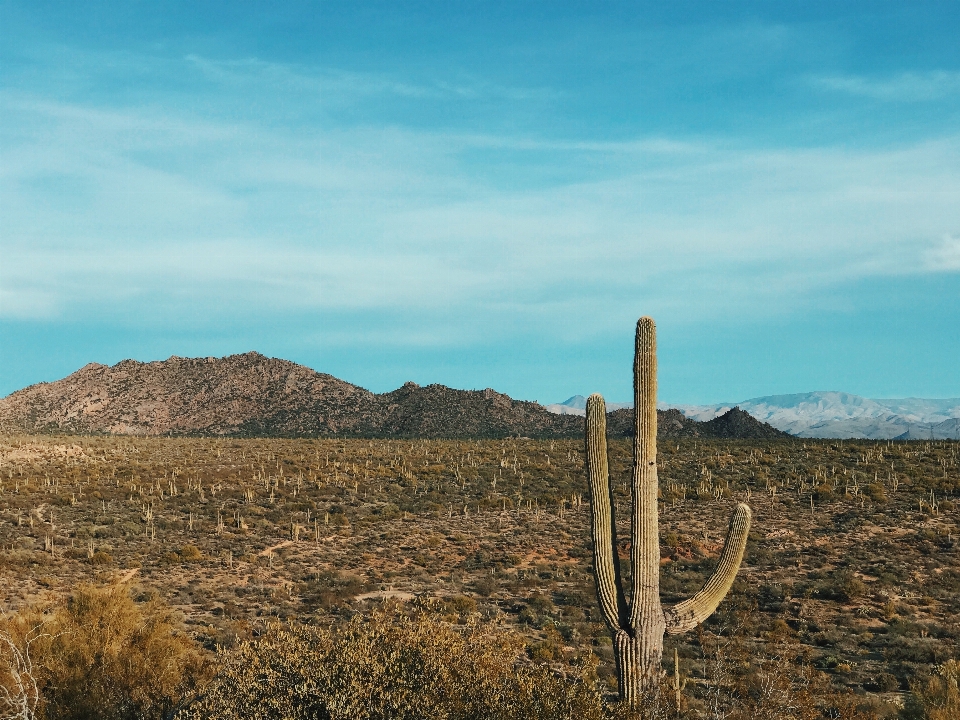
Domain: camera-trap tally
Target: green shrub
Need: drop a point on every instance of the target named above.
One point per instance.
(844, 586)
(485, 586)
(875, 492)
(458, 606)
(329, 588)
(101, 558)
(190, 553)
(823, 493)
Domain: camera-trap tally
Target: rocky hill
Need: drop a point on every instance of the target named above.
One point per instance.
(253, 395)
(674, 424)
(735, 423)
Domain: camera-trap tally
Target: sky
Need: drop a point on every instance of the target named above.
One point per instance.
(487, 194)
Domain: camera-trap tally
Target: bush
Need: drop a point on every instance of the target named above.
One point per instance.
(845, 586)
(191, 553)
(101, 656)
(485, 586)
(875, 492)
(329, 588)
(935, 697)
(392, 665)
(458, 606)
(823, 493)
(101, 558)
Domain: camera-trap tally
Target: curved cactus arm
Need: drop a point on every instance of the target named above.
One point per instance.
(606, 567)
(688, 614)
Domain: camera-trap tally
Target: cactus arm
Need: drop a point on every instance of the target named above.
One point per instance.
(688, 614)
(645, 603)
(606, 566)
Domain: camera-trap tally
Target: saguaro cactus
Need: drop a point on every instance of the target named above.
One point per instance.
(638, 625)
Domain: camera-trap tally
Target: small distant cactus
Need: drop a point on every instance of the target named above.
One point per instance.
(638, 627)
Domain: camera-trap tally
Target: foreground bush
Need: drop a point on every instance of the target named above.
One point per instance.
(936, 697)
(391, 665)
(98, 656)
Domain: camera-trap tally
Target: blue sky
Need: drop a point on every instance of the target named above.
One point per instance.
(487, 194)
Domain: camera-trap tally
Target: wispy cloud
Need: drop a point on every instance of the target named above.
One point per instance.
(339, 87)
(254, 219)
(159, 209)
(945, 256)
(901, 87)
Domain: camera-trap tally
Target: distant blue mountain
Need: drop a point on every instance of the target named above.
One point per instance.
(829, 414)
(577, 405)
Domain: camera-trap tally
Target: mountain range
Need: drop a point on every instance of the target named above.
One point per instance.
(251, 395)
(831, 415)
(577, 405)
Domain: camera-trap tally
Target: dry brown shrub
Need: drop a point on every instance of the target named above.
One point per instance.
(395, 665)
(935, 697)
(769, 681)
(21, 636)
(101, 655)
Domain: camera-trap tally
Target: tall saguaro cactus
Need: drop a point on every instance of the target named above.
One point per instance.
(638, 625)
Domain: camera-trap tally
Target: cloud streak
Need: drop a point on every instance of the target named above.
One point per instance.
(924, 86)
(104, 208)
(945, 256)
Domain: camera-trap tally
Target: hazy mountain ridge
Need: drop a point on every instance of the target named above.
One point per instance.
(253, 395)
(843, 415)
(577, 405)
